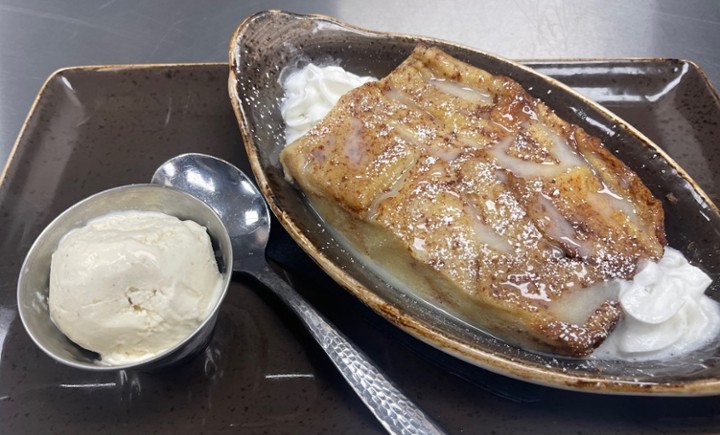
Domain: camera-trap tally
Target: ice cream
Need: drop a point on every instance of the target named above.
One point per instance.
(129, 285)
(666, 310)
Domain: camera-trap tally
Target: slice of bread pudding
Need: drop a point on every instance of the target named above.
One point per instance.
(482, 200)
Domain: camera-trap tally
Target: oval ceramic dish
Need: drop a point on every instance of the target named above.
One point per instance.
(267, 43)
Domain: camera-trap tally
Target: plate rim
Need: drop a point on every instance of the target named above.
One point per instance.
(56, 74)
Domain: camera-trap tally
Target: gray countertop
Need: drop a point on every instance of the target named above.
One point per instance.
(38, 37)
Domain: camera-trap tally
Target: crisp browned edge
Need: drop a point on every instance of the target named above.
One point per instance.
(423, 332)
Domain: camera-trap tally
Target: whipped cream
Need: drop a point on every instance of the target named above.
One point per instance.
(130, 285)
(666, 312)
(310, 93)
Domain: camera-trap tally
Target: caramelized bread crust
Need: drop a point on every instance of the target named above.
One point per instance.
(481, 199)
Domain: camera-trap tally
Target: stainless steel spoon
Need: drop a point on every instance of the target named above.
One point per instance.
(245, 213)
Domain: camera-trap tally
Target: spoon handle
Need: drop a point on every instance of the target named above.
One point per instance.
(397, 413)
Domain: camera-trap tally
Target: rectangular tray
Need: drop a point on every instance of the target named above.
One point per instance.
(94, 128)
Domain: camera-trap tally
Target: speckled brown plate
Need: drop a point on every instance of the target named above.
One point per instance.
(268, 42)
(93, 128)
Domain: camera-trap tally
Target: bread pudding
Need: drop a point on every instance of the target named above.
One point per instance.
(478, 197)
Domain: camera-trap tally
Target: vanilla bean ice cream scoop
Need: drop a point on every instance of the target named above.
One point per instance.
(132, 284)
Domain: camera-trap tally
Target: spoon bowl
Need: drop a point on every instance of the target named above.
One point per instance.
(243, 210)
(231, 194)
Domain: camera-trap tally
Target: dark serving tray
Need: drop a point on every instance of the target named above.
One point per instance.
(93, 128)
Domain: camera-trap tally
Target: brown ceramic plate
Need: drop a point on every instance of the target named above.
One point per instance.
(267, 43)
(93, 128)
